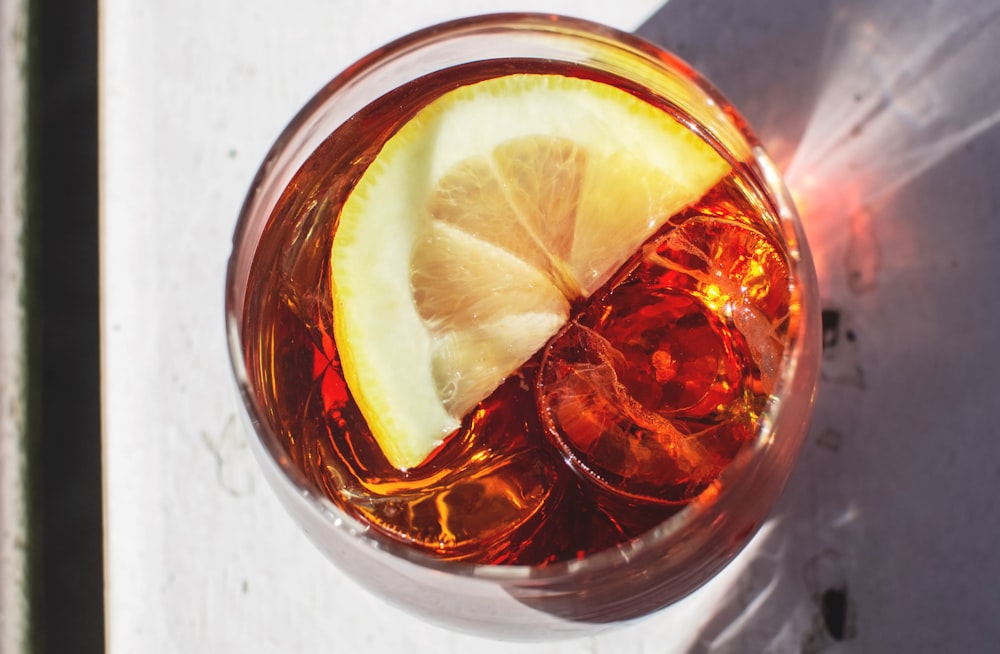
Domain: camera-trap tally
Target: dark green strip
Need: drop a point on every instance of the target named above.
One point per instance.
(65, 568)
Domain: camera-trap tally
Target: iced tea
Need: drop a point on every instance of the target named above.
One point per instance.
(631, 410)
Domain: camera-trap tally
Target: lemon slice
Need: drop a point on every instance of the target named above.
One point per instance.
(462, 246)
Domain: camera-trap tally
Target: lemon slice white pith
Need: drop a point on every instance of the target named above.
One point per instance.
(459, 251)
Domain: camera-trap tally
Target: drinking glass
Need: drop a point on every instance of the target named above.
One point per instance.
(561, 598)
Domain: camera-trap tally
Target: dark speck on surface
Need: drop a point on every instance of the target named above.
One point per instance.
(833, 604)
(831, 328)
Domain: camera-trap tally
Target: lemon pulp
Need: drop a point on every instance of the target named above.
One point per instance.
(459, 251)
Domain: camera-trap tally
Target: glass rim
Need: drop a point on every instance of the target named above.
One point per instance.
(264, 440)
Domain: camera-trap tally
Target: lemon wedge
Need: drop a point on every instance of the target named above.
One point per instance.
(461, 248)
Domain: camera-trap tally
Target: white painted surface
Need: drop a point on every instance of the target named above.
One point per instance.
(13, 598)
(200, 556)
(888, 114)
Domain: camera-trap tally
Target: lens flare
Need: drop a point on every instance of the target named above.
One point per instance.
(902, 90)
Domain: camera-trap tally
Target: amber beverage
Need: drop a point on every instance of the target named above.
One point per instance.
(630, 457)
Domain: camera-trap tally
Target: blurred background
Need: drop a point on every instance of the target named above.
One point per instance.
(883, 116)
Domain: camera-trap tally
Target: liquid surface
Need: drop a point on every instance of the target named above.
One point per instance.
(634, 408)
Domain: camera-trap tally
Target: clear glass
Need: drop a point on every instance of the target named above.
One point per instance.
(618, 584)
